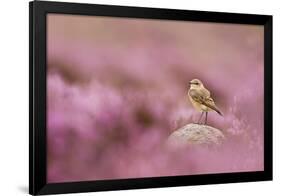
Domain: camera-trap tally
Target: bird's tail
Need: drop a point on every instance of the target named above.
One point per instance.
(218, 111)
(214, 107)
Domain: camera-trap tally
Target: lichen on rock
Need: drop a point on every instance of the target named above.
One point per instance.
(196, 134)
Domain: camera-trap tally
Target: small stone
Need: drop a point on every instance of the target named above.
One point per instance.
(196, 134)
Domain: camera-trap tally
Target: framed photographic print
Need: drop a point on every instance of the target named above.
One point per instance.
(132, 97)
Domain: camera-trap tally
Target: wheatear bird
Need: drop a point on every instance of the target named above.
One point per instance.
(201, 99)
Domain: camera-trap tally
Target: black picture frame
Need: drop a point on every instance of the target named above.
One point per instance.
(37, 97)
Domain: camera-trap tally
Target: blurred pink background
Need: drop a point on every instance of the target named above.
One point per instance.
(117, 88)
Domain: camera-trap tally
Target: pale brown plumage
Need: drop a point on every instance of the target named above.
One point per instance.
(201, 98)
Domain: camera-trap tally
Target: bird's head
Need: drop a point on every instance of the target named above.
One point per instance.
(195, 83)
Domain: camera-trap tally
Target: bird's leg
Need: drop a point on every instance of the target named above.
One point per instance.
(200, 117)
(206, 117)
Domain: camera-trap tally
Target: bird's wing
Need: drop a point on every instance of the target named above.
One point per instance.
(198, 95)
(202, 96)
